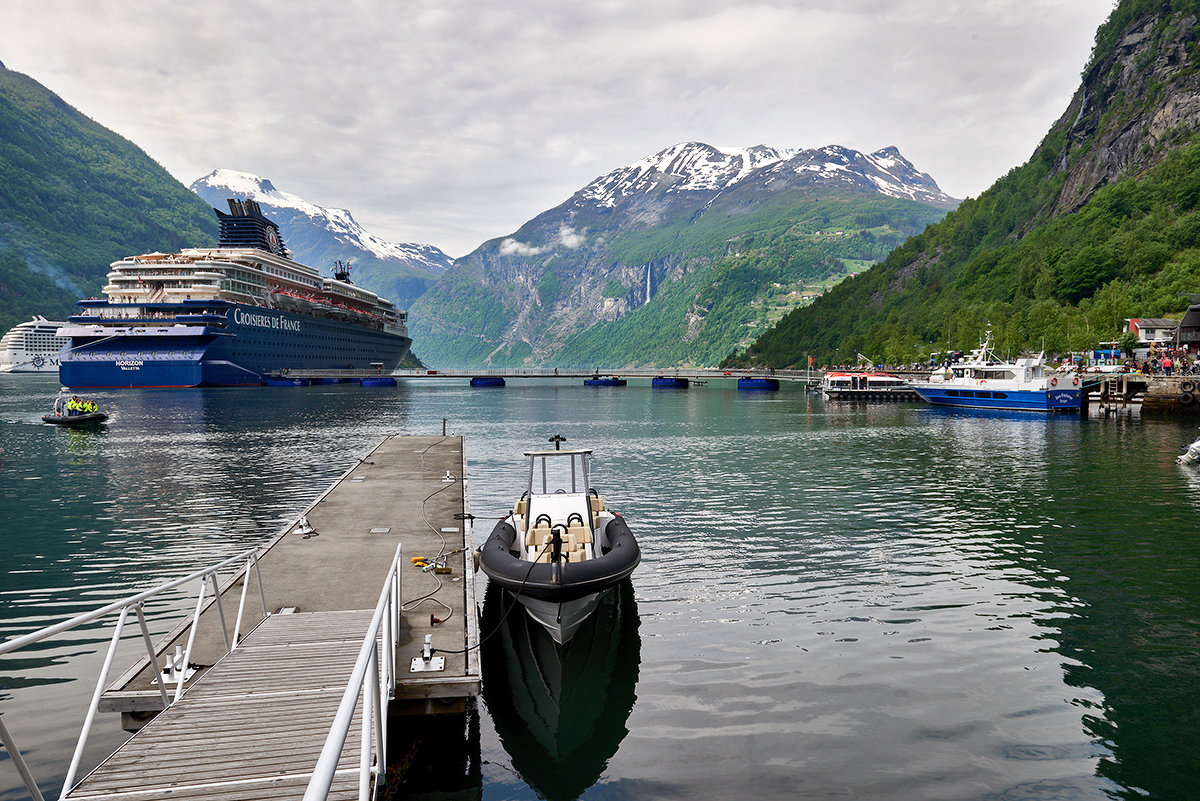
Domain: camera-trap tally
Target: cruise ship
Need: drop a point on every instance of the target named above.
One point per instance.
(32, 347)
(227, 316)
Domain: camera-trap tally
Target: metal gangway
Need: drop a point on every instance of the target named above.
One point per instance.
(296, 708)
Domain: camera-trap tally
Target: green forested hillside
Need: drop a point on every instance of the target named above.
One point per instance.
(1022, 258)
(74, 196)
(1129, 252)
(719, 278)
(726, 303)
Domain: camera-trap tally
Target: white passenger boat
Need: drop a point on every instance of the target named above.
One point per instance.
(559, 548)
(32, 347)
(866, 385)
(984, 381)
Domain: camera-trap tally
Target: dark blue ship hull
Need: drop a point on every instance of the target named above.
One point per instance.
(1053, 400)
(217, 344)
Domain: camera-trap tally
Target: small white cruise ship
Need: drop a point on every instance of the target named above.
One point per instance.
(32, 347)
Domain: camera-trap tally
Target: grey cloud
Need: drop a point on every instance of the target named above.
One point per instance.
(452, 122)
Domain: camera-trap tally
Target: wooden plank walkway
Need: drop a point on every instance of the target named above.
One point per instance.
(398, 493)
(251, 724)
(252, 727)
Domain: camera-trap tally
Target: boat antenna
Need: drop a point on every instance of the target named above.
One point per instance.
(558, 440)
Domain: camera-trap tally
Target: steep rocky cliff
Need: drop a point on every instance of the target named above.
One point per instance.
(1140, 97)
(1101, 224)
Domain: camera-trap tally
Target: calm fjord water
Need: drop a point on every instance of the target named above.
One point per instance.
(835, 601)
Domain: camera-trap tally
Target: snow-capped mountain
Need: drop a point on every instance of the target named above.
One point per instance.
(686, 167)
(884, 171)
(695, 167)
(626, 244)
(319, 236)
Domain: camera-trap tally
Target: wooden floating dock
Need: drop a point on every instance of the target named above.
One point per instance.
(254, 726)
(251, 723)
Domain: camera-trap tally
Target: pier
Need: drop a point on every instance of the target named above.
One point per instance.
(1117, 393)
(361, 609)
(698, 375)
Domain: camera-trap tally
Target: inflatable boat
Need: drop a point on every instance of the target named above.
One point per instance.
(560, 548)
(92, 419)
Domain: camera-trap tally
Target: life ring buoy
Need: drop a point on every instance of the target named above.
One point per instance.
(1187, 399)
(1187, 386)
(1053, 381)
(1075, 380)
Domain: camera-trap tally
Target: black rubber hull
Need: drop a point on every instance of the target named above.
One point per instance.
(76, 419)
(559, 582)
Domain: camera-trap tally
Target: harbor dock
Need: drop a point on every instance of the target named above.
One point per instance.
(408, 490)
(361, 609)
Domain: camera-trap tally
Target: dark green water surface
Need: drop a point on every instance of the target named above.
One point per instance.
(887, 601)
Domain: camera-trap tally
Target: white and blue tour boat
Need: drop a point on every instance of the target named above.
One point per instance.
(984, 381)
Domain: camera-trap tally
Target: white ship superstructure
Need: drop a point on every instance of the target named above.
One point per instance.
(250, 276)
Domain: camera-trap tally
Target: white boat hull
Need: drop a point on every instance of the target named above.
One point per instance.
(561, 620)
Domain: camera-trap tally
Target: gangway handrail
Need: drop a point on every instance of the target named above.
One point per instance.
(136, 603)
(374, 688)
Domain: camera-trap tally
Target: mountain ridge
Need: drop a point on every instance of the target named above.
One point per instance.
(609, 248)
(74, 197)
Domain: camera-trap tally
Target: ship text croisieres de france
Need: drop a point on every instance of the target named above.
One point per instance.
(227, 316)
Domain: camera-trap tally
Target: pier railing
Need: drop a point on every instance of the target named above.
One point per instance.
(135, 603)
(373, 680)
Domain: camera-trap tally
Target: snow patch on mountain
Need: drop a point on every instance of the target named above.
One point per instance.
(685, 167)
(337, 222)
(703, 168)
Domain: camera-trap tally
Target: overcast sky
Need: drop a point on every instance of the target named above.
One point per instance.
(450, 122)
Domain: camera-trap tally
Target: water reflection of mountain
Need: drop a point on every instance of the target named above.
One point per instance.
(560, 711)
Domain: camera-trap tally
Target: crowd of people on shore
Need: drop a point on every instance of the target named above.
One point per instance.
(1166, 363)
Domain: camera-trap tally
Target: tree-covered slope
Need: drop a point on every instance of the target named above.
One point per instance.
(1100, 225)
(758, 277)
(74, 196)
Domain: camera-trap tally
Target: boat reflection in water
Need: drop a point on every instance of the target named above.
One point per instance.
(561, 710)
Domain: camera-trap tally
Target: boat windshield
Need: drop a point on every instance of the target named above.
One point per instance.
(558, 472)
